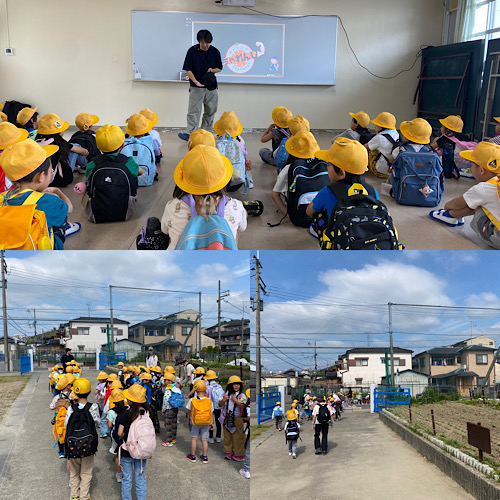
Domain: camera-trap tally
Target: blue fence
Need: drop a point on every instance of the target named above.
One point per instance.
(266, 401)
(25, 363)
(389, 398)
(111, 358)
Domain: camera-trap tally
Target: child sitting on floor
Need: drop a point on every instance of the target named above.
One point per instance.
(359, 127)
(275, 132)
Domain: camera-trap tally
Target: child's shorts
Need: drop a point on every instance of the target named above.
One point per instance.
(199, 431)
(485, 229)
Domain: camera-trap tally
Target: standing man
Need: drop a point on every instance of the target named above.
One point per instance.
(66, 358)
(201, 63)
(322, 416)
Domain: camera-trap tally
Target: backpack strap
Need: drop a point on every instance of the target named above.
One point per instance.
(189, 200)
(390, 138)
(340, 191)
(32, 198)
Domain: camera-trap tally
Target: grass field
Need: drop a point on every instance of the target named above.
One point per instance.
(10, 388)
(257, 430)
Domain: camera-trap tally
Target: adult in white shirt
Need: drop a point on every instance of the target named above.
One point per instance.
(151, 358)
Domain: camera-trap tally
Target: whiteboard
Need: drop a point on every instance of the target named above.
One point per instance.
(261, 49)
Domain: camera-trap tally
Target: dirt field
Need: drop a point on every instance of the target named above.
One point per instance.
(10, 387)
(451, 424)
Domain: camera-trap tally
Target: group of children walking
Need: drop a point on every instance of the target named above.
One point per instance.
(126, 411)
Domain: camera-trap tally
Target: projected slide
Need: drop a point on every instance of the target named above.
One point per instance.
(248, 49)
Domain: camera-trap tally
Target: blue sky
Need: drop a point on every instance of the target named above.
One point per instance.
(69, 284)
(339, 300)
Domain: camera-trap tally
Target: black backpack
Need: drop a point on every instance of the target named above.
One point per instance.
(152, 238)
(156, 398)
(85, 140)
(323, 414)
(110, 186)
(292, 430)
(81, 435)
(359, 221)
(12, 108)
(305, 179)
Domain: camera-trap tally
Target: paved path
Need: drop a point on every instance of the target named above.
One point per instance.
(30, 467)
(365, 460)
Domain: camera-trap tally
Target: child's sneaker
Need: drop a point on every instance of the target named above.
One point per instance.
(173, 441)
(217, 440)
(103, 436)
(245, 473)
(61, 454)
(72, 228)
(191, 458)
(228, 456)
(119, 477)
(444, 216)
(210, 440)
(204, 459)
(238, 459)
(467, 173)
(294, 455)
(166, 443)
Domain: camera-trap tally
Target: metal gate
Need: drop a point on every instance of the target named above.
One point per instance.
(266, 401)
(111, 358)
(389, 398)
(25, 363)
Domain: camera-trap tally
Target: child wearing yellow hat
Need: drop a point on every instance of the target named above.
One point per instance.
(157, 144)
(417, 134)
(116, 407)
(482, 200)
(386, 136)
(276, 132)
(200, 178)
(28, 119)
(84, 137)
(277, 415)
(292, 432)
(359, 126)
(296, 124)
(9, 134)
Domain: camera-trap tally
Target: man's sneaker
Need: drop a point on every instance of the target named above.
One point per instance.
(444, 216)
(245, 473)
(61, 454)
(191, 458)
(210, 440)
(294, 455)
(217, 440)
(204, 459)
(119, 477)
(166, 443)
(238, 459)
(72, 228)
(317, 452)
(228, 456)
(184, 137)
(325, 452)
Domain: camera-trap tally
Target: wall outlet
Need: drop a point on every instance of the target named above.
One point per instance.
(9, 51)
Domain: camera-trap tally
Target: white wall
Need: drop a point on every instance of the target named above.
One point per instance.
(74, 56)
(95, 338)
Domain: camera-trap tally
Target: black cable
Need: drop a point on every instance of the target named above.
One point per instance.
(418, 55)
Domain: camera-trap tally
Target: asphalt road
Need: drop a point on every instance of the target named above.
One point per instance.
(30, 466)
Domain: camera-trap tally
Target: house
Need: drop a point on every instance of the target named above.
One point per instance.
(463, 365)
(362, 366)
(235, 336)
(409, 379)
(131, 348)
(89, 333)
(479, 340)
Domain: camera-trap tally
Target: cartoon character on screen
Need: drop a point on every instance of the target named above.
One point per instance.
(275, 65)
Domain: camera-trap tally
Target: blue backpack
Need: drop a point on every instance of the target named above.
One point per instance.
(417, 178)
(206, 233)
(278, 412)
(177, 400)
(142, 152)
(232, 150)
(281, 155)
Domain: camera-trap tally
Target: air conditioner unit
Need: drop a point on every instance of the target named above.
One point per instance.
(239, 3)
(464, 367)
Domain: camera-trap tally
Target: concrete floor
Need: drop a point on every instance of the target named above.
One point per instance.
(416, 230)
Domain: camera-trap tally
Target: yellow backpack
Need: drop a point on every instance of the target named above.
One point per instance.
(23, 227)
(201, 411)
(59, 430)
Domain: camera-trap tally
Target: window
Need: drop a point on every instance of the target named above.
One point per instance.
(486, 20)
(185, 330)
(81, 347)
(481, 359)
(104, 330)
(361, 361)
(358, 381)
(443, 361)
(421, 362)
(83, 331)
(396, 361)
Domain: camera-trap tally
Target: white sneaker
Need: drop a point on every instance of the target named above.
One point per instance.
(119, 477)
(294, 455)
(244, 473)
(444, 216)
(290, 453)
(210, 440)
(217, 440)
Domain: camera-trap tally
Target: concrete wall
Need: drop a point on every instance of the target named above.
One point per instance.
(77, 56)
(95, 338)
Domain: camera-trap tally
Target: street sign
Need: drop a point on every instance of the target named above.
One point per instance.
(479, 437)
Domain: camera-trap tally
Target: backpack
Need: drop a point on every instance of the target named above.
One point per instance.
(201, 411)
(278, 412)
(460, 146)
(292, 430)
(206, 233)
(323, 414)
(156, 398)
(111, 189)
(59, 430)
(12, 108)
(358, 221)
(152, 237)
(62, 402)
(141, 438)
(23, 227)
(81, 435)
(417, 178)
(281, 155)
(305, 179)
(374, 156)
(233, 151)
(142, 152)
(177, 399)
(216, 393)
(85, 140)
(450, 169)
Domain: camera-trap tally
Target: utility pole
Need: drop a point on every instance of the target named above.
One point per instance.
(199, 324)
(111, 318)
(4, 302)
(242, 329)
(391, 346)
(315, 360)
(257, 308)
(221, 295)
(34, 319)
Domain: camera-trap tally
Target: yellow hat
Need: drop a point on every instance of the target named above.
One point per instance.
(109, 138)
(418, 130)
(4, 117)
(120, 363)
(349, 155)
(302, 145)
(297, 124)
(203, 171)
(291, 415)
(385, 120)
(82, 386)
(362, 118)
(200, 386)
(25, 114)
(135, 393)
(152, 117)
(482, 154)
(115, 396)
(278, 402)
(211, 375)
(138, 124)
(156, 369)
(51, 124)
(70, 378)
(116, 384)
(143, 368)
(22, 158)
(452, 122)
(145, 376)
(228, 123)
(102, 375)
(294, 405)
(169, 369)
(69, 369)
(234, 379)
(295, 400)
(112, 376)
(281, 115)
(201, 136)
(169, 376)
(199, 371)
(10, 134)
(72, 395)
(84, 121)
(497, 118)
(247, 394)
(62, 383)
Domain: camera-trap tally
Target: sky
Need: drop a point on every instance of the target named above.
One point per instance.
(59, 286)
(340, 301)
